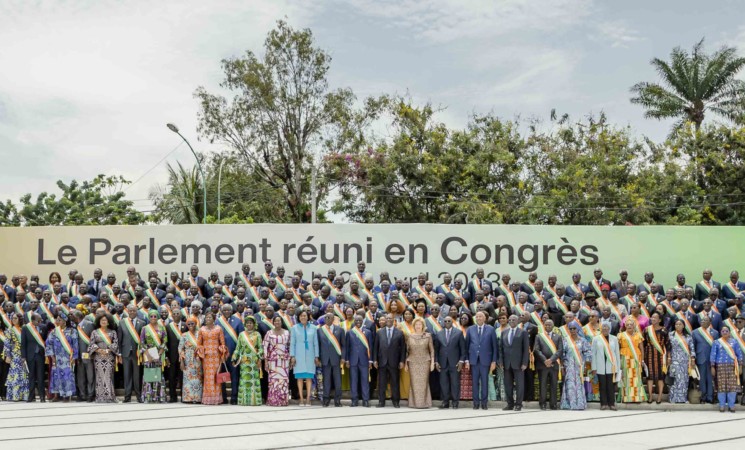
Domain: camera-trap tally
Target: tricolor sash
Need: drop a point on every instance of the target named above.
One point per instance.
(531, 287)
(706, 335)
(64, 308)
(559, 303)
(63, 341)
(732, 287)
(280, 283)
(428, 299)
(361, 336)
(72, 289)
(84, 336)
(175, 329)
(537, 319)
(736, 334)
(578, 290)
(332, 339)
(648, 287)
(445, 288)
(407, 329)
(419, 288)
(359, 278)
(104, 336)
(332, 288)
(548, 341)
(254, 292)
(435, 325)
(729, 350)
(668, 307)
(609, 354)
(153, 298)
(2, 336)
(402, 296)
(602, 301)
(615, 311)
(652, 335)
(380, 298)
(682, 343)
(228, 328)
(247, 339)
(35, 334)
(296, 295)
(644, 310)
(17, 333)
(352, 297)
(129, 288)
(590, 332)
(688, 326)
(285, 319)
(266, 321)
(129, 325)
(520, 308)
(596, 287)
(245, 279)
(476, 284)
(705, 286)
(6, 319)
(150, 329)
(338, 311)
(630, 343)
(191, 338)
(577, 356)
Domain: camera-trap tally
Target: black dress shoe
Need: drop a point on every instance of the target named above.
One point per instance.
(554, 408)
(380, 405)
(475, 406)
(80, 399)
(544, 407)
(354, 404)
(337, 404)
(234, 402)
(366, 404)
(484, 406)
(395, 405)
(43, 400)
(127, 399)
(91, 399)
(325, 404)
(444, 405)
(455, 405)
(508, 408)
(140, 400)
(31, 400)
(518, 408)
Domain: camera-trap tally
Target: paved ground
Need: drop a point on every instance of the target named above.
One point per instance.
(170, 426)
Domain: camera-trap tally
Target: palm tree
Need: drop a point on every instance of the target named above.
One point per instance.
(693, 84)
(180, 201)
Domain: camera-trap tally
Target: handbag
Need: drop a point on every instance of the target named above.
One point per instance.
(152, 375)
(222, 377)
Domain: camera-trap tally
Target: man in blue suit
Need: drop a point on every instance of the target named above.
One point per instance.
(232, 327)
(714, 317)
(357, 354)
(703, 338)
(514, 357)
(331, 351)
(481, 342)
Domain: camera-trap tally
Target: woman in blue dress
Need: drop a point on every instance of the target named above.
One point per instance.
(62, 350)
(304, 354)
(577, 352)
(680, 360)
(17, 381)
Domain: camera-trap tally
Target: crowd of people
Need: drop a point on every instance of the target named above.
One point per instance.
(266, 338)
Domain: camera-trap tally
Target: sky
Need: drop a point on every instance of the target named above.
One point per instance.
(86, 87)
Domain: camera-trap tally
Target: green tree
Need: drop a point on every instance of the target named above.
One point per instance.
(97, 202)
(283, 112)
(692, 84)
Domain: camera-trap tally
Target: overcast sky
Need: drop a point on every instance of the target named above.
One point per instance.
(86, 87)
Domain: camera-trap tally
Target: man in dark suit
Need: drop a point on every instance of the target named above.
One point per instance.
(174, 329)
(85, 371)
(478, 283)
(450, 352)
(514, 358)
(714, 317)
(547, 351)
(128, 333)
(358, 360)
(33, 337)
(482, 353)
(97, 283)
(705, 286)
(703, 337)
(331, 352)
(389, 355)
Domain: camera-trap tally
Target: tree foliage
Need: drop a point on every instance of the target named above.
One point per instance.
(96, 202)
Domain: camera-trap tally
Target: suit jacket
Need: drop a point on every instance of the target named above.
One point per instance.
(449, 354)
(701, 292)
(173, 341)
(514, 355)
(96, 291)
(390, 353)
(472, 286)
(542, 351)
(716, 319)
(327, 353)
(482, 351)
(127, 345)
(601, 363)
(602, 281)
(355, 351)
(702, 346)
(29, 346)
(620, 287)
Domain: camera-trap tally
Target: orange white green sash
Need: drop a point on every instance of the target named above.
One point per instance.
(577, 355)
(632, 347)
(729, 350)
(339, 312)
(590, 332)
(733, 287)
(6, 319)
(476, 283)
(64, 308)
(128, 286)
(380, 298)
(191, 338)
(668, 307)
(286, 319)
(531, 286)
(537, 319)
(648, 287)
(254, 292)
(595, 284)
(706, 335)
(559, 303)
(132, 330)
(153, 298)
(296, 295)
(548, 341)
(520, 308)
(273, 296)
(369, 316)
(352, 297)
(35, 334)
(406, 328)
(104, 336)
(433, 323)
(735, 333)
(511, 298)
(228, 328)
(245, 279)
(609, 354)
(602, 301)
(332, 339)
(445, 288)
(615, 311)
(2, 337)
(175, 329)
(687, 323)
(266, 321)
(705, 286)
(361, 336)
(72, 289)
(63, 341)
(17, 333)
(419, 288)
(150, 329)
(359, 278)
(677, 337)
(457, 294)
(84, 336)
(280, 283)
(332, 288)
(251, 344)
(428, 299)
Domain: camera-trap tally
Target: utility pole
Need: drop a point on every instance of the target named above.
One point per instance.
(313, 193)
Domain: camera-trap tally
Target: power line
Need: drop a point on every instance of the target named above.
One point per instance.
(153, 167)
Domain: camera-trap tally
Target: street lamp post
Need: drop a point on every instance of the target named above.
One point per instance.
(219, 183)
(174, 128)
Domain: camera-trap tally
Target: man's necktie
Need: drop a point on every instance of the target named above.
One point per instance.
(447, 336)
(389, 335)
(512, 334)
(480, 332)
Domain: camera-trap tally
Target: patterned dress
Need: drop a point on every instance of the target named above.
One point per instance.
(496, 387)
(404, 378)
(191, 386)
(573, 390)
(104, 364)
(62, 377)
(249, 353)
(466, 383)
(277, 357)
(17, 381)
(212, 350)
(652, 357)
(681, 358)
(592, 387)
(154, 337)
(420, 353)
(630, 347)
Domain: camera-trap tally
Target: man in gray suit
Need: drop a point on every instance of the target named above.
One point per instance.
(331, 354)
(450, 352)
(85, 373)
(514, 357)
(547, 351)
(128, 345)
